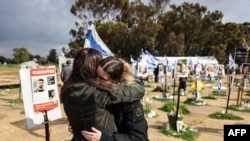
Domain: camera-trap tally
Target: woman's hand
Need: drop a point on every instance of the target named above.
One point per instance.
(70, 129)
(92, 136)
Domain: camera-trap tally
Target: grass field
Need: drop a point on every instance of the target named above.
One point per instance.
(9, 67)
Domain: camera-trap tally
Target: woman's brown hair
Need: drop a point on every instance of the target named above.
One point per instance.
(84, 67)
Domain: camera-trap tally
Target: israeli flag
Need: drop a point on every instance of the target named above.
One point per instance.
(191, 64)
(93, 40)
(167, 62)
(220, 85)
(231, 61)
(151, 60)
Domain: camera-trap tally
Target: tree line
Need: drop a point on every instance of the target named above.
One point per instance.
(162, 28)
(22, 54)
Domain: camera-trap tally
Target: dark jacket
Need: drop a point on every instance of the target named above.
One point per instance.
(182, 83)
(131, 123)
(85, 106)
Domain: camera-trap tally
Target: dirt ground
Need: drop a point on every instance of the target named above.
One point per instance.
(13, 125)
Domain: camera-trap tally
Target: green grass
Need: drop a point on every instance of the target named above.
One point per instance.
(209, 97)
(229, 116)
(13, 91)
(247, 92)
(236, 108)
(147, 108)
(147, 85)
(188, 135)
(190, 101)
(189, 80)
(15, 102)
(10, 67)
(217, 93)
(160, 89)
(170, 106)
(157, 89)
(9, 91)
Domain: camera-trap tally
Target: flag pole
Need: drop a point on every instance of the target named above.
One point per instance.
(229, 90)
(230, 77)
(174, 82)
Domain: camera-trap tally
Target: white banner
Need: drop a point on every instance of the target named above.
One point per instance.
(40, 93)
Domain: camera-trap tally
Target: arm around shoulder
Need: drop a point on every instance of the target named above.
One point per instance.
(129, 92)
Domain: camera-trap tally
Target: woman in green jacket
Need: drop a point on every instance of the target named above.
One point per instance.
(86, 106)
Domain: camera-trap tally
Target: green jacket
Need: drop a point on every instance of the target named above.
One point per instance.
(86, 106)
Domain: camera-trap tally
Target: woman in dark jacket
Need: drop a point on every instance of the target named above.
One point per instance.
(129, 117)
(86, 106)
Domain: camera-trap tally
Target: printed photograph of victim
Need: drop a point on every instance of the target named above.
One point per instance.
(39, 87)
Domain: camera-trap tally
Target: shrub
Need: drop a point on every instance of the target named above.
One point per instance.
(222, 115)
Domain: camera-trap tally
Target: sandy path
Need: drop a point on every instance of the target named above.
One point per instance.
(13, 123)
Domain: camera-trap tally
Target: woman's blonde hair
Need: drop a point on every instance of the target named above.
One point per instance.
(127, 73)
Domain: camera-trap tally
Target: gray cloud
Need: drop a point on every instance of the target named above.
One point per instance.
(37, 25)
(42, 25)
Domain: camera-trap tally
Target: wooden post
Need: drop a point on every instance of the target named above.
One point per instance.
(46, 125)
(164, 92)
(230, 79)
(165, 78)
(174, 90)
(240, 91)
(242, 83)
(177, 106)
(196, 88)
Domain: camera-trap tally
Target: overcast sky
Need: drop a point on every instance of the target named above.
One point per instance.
(42, 25)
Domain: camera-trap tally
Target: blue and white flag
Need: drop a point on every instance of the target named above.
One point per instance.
(219, 85)
(231, 61)
(93, 40)
(167, 61)
(151, 60)
(191, 62)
